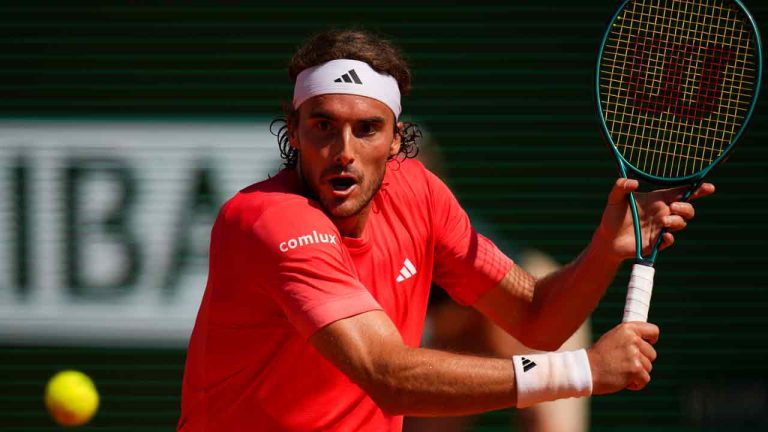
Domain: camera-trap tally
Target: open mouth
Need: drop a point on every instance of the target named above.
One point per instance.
(342, 184)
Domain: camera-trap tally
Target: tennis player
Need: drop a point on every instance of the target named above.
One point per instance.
(319, 276)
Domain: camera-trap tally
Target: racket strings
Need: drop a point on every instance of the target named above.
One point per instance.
(676, 82)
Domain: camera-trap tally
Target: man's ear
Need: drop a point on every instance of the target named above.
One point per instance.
(394, 148)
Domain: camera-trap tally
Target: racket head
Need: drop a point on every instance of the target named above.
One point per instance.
(675, 88)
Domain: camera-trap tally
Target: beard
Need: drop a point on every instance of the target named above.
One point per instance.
(353, 206)
(349, 206)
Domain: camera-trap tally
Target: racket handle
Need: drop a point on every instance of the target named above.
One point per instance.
(639, 293)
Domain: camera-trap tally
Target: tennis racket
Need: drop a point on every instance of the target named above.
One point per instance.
(677, 82)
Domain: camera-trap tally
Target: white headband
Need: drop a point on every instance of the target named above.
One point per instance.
(347, 77)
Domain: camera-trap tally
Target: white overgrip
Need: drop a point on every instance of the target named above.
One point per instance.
(639, 293)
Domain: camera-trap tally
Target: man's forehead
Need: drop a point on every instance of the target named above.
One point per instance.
(345, 105)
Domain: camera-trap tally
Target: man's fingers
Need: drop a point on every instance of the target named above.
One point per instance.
(674, 223)
(667, 241)
(648, 352)
(640, 382)
(703, 190)
(676, 193)
(620, 190)
(683, 209)
(647, 365)
(647, 331)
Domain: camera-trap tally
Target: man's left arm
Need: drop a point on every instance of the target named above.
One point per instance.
(543, 313)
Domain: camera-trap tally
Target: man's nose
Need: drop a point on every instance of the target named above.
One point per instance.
(343, 147)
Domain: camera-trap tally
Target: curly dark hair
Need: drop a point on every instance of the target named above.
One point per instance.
(360, 45)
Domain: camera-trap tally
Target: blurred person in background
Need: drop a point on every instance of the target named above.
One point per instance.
(457, 328)
(319, 276)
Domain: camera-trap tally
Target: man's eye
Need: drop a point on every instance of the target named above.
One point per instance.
(323, 126)
(367, 129)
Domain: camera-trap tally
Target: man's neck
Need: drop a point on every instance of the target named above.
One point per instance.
(353, 226)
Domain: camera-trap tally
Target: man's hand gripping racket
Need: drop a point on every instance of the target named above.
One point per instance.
(677, 82)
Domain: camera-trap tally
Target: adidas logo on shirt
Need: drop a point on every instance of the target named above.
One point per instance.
(407, 271)
(349, 77)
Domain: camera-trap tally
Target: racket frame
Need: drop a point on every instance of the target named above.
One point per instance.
(627, 169)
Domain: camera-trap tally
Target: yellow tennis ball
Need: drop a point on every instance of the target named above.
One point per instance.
(71, 398)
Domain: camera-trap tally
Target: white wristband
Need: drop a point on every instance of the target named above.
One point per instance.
(550, 376)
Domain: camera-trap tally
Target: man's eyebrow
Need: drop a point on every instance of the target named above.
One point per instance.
(321, 114)
(374, 119)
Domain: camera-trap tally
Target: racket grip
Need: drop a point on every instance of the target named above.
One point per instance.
(639, 293)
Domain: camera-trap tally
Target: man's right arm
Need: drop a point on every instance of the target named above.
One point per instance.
(422, 382)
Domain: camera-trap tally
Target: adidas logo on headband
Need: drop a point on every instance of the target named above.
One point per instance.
(346, 77)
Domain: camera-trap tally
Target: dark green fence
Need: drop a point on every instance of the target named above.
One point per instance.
(507, 90)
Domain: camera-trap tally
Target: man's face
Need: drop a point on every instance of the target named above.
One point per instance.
(344, 142)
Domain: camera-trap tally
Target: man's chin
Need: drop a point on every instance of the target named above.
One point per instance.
(342, 209)
(348, 206)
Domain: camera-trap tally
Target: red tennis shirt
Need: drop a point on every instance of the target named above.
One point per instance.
(280, 270)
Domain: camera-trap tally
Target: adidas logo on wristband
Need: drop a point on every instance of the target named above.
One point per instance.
(528, 364)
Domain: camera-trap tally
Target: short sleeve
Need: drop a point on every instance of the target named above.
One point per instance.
(305, 269)
(467, 264)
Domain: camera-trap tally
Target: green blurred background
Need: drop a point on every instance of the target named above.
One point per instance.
(507, 91)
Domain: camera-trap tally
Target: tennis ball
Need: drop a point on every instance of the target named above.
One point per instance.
(71, 398)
